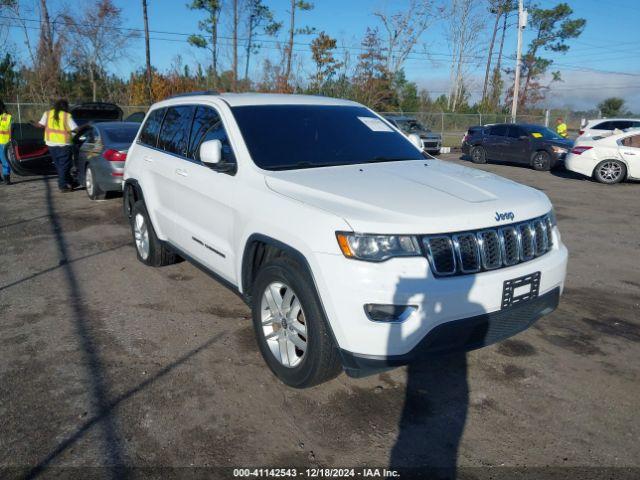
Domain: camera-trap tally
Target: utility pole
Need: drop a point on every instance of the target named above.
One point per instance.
(147, 52)
(522, 23)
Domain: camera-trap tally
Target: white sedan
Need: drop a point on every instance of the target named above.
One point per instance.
(608, 159)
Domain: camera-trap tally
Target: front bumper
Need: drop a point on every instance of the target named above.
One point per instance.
(463, 335)
(346, 286)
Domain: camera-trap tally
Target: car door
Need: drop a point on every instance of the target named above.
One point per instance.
(167, 166)
(27, 152)
(89, 145)
(207, 198)
(629, 148)
(517, 145)
(495, 142)
(156, 175)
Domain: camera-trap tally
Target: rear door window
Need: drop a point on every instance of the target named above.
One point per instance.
(207, 125)
(515, 132)
(498, 130)
(632, 141)
(151, 128)
(176, 127)
(622, 124)
(604, 126)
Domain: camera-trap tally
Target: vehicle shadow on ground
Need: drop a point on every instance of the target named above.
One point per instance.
(437, 393)
(113, 443)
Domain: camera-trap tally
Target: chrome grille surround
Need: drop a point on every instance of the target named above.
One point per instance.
(474, 251)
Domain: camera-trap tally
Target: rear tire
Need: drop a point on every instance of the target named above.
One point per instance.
(610, 172)
(93, 189)
(478, 155)
(149, 249)
(541, 161)
(287, 315)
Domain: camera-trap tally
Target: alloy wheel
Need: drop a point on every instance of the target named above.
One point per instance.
(88, 181)
(284, 324)
(610, 171)
(141, 235)
(540, 161)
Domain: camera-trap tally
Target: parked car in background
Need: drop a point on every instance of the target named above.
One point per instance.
(609, 159)
(526, 144)
(101, 150)
(431, 142)
(322, 224)
(473, 132)
(28, 154)
(606, 126)
(137, 117)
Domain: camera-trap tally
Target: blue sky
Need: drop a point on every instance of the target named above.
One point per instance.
(610, 43)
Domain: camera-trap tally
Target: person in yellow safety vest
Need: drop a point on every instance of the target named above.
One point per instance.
(58, 128)
(5, 137)
(561, 128)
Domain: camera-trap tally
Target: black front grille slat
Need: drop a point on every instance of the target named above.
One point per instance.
(489, 249)
(466, 246)
(510, 245)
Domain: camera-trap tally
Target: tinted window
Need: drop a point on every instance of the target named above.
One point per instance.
(174, 134)
(498, 130)
(515, 132)
(542, 132)
(622, 124)
(207, 125)
(305, 136)
(633, 141)
(120, 134)
(604, 126)
(151, 128)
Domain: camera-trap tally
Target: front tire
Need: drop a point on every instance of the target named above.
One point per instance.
(149, 249)
(478, 155)
(290, 326)
(541, 161)
(610, 172)
(91, 185)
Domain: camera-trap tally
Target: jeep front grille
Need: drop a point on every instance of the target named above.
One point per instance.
(488, 249)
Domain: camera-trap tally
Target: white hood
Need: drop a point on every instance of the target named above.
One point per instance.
(421, 196)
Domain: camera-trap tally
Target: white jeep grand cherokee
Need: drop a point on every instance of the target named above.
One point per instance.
(353, 250)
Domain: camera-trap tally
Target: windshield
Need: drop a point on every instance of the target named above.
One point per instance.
(120, 134)
(283, 137)
(411, 126)
(542, 132)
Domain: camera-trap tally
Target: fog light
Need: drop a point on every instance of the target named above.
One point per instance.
(388, 313)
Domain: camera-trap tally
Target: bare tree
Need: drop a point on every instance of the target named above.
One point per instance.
(498, 9)
(464, 27)
(147, 50)
(98, 40)
(234, 80)
(293, 31)
(404, 30)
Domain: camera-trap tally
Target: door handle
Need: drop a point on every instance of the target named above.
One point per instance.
(182, 173)
(628, 153)
(147, 159)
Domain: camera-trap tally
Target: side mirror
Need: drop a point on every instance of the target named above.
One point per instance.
(211, 153)
(416, 140)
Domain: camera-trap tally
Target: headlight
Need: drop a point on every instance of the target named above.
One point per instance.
(377, 248)
(559, 150)
(552, 218)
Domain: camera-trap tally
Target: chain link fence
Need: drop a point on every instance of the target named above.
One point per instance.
(452, 126)
(32, 112)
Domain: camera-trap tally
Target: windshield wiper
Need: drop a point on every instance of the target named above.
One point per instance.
(386, 159)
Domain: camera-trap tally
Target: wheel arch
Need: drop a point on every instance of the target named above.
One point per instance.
(260, 248)
(621, 160)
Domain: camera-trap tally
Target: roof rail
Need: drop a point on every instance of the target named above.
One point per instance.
(193, 94)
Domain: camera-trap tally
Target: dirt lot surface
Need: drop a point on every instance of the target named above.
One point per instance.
(105, 362)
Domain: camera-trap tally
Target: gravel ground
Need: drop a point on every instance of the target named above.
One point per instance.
(106, 362)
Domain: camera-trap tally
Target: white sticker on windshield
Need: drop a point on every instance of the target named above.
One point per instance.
(375, 124)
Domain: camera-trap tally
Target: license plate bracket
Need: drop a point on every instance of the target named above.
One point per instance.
(520, 289)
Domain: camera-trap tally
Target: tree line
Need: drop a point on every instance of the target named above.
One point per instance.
(73, 53)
